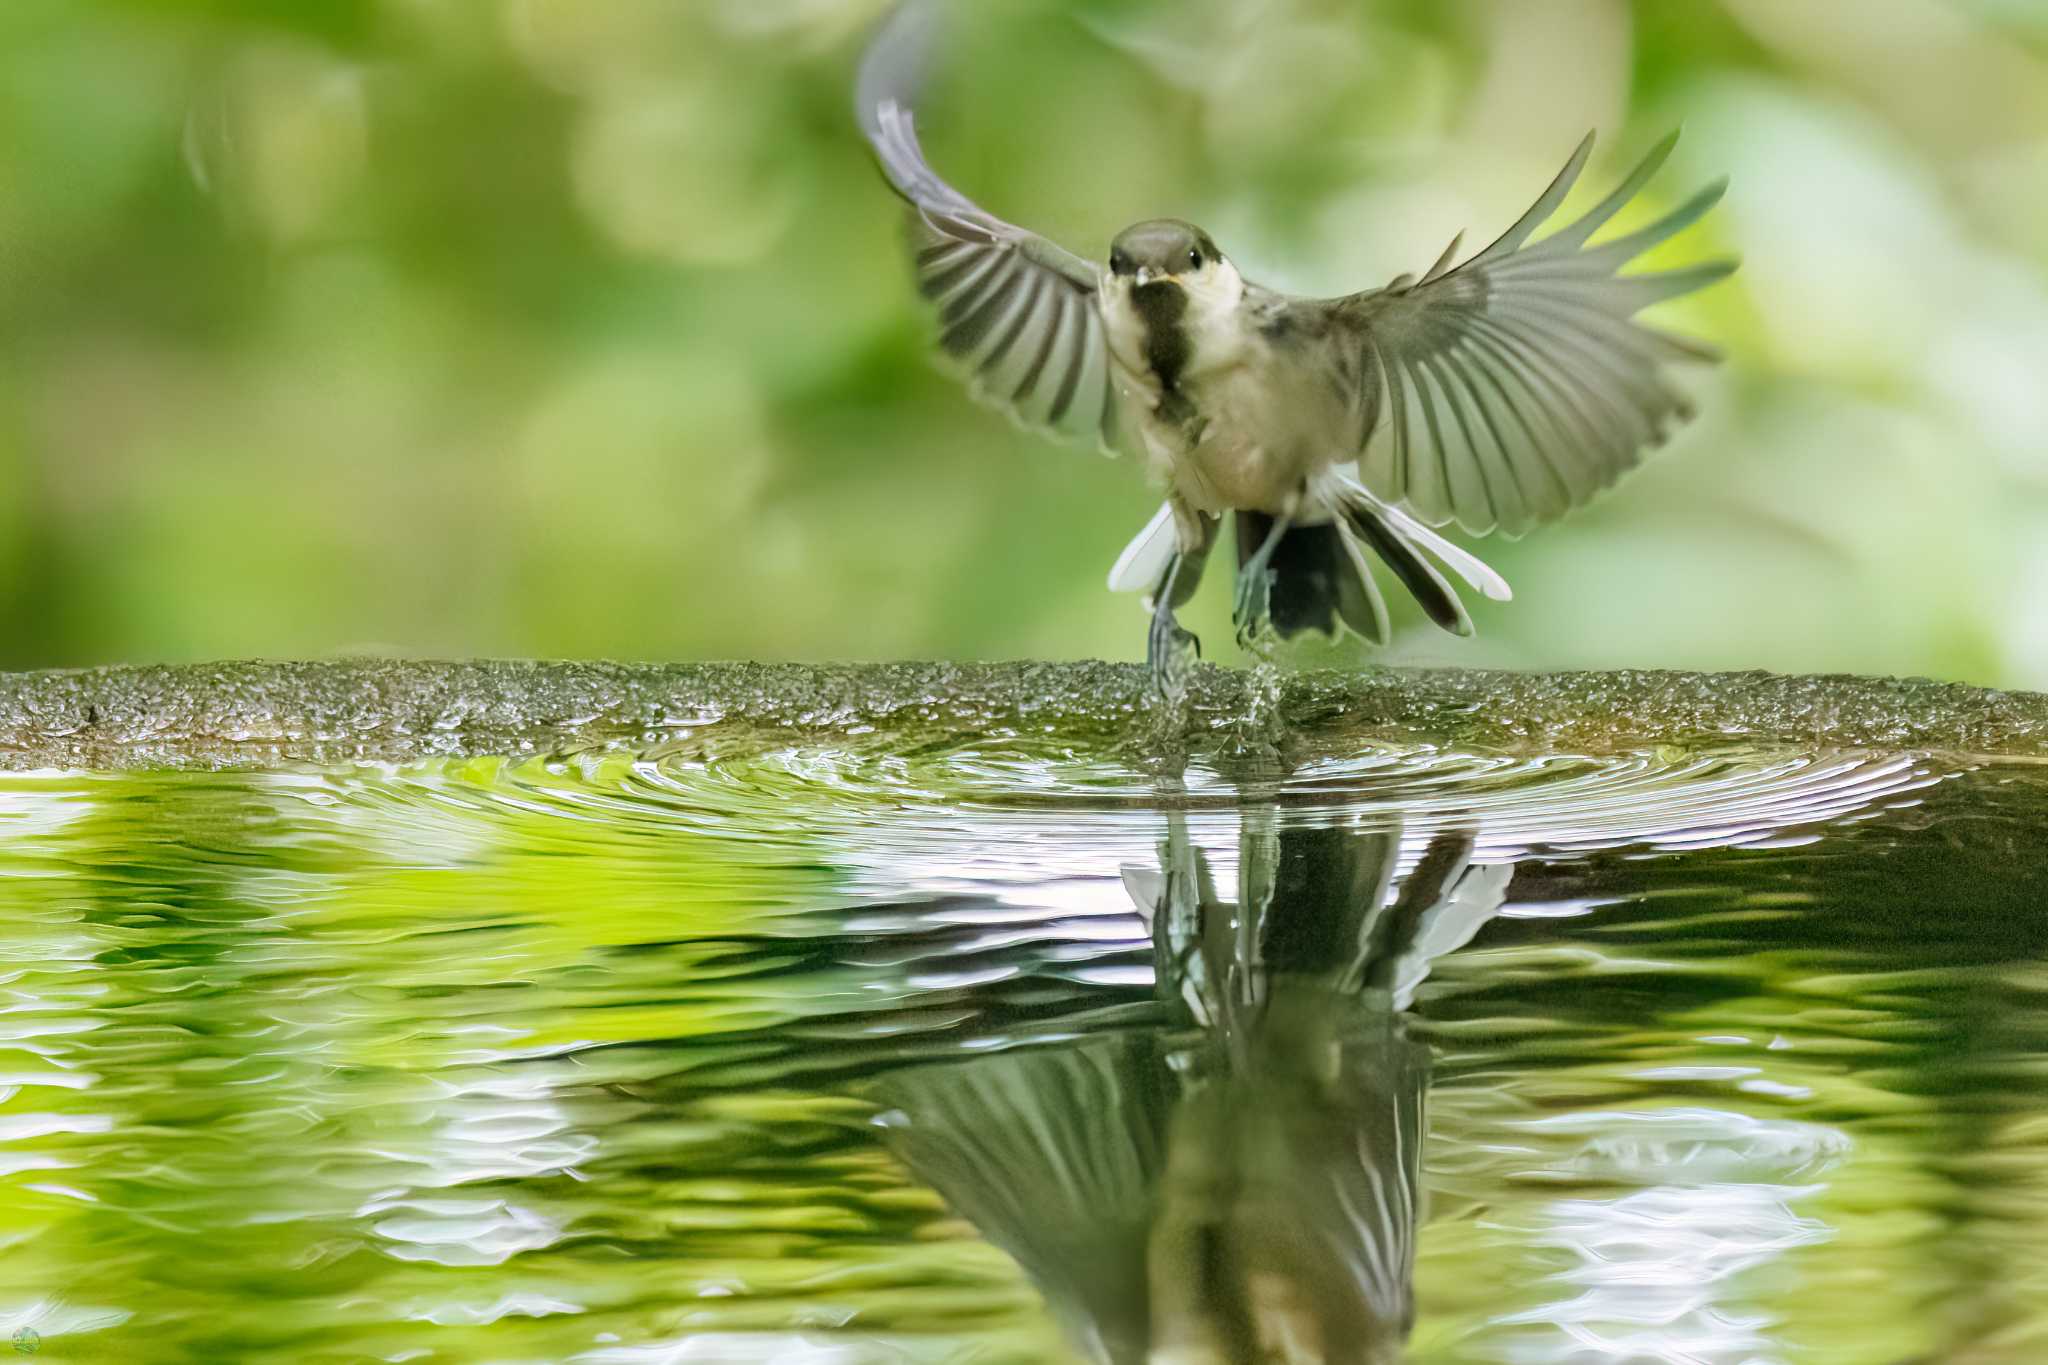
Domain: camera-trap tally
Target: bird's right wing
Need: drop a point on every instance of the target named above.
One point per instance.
(1015, 310)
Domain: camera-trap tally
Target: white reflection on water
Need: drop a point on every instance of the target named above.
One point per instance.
(31, 812)
(1655, 1271)
(53, 1317)
(1654, 1274)
(484, 1125)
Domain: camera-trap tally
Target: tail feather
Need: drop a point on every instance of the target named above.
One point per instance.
(1359, 601)
(1438, 598)
(1143, 563)
(1319, 580)
(1463, 563)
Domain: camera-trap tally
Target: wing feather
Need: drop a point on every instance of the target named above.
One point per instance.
(1567, 404)
(1015, 312)
(1046, 324)
(1536, 481)
(1395, 418)
(1511, 389)
(1509, 423)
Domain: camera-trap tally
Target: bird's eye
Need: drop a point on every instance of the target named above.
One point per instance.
(1194, 258)
(1119, 264)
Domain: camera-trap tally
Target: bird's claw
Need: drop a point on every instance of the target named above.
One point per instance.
(1253, 608)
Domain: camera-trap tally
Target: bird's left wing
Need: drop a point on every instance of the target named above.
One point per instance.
(1015, 310)
(1510, 389)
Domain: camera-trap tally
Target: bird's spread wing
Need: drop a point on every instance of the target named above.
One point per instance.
(1052, 1153)
(1512, 388)
(1017, 311)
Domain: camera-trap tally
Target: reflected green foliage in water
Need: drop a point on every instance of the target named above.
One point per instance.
(581, 327)
(625, 1060)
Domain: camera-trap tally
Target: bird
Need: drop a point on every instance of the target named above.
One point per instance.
(1496, 392)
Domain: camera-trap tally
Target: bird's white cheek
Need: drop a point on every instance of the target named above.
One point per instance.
(1219, 289)
(1214, 322)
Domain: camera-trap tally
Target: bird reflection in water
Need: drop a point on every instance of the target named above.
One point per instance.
(1240, 1181)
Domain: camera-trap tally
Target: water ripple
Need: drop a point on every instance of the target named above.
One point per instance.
(564, 1058)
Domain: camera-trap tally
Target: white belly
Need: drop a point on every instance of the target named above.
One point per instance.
(1250, 449)
(1244, 457)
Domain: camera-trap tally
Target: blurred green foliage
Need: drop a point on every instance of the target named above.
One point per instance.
(579, 327)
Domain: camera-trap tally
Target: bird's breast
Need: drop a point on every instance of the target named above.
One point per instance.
(1217, 409)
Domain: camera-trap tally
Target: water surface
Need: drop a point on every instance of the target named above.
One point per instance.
(1017, 1050)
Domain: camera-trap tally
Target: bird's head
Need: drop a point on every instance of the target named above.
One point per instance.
(1166, 257)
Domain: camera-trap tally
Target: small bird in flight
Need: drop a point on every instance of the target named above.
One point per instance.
(1498, 392)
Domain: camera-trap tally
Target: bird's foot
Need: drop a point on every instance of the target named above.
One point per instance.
(1252, 608)
(1170, 652)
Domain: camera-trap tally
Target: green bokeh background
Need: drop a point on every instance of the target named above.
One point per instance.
(579, 327)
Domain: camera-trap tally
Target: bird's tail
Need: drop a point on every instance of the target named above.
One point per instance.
(1321, 579)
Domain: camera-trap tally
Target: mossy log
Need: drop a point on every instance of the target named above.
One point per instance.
(384, 711)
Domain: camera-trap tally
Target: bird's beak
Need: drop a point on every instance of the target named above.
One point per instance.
(1146, 274)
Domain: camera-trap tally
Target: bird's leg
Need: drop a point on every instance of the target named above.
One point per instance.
(1166, 643)
(1168, 649)
(1253, 604)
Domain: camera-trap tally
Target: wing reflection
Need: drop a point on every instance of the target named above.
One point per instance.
(1239, 1181)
